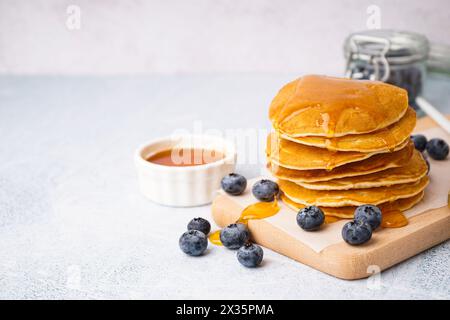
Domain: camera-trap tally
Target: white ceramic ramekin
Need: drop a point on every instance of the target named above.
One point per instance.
(183, 186)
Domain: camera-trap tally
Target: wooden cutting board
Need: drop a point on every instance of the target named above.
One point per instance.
(342, 260)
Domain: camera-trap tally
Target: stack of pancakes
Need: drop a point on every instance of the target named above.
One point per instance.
(341, 143)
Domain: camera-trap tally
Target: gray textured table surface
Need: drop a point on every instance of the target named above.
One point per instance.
(73, 224)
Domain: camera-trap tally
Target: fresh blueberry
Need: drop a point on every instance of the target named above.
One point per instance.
(370, 214)
(193, 242)
(310, 218)
(199, 224)
(437, 149)
(234, 184)
(420, 142)
(234, 236)
(265, 190)
(356, 232)
(250, 255)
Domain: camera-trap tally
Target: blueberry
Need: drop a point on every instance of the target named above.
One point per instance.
(234, 236)
(310, 218)
(420, 142)
(199, 224)
(265, 190)
(250, 255)
(234, 184)
(356, 232)
(370, 214)
(193, 242)
(437, 149)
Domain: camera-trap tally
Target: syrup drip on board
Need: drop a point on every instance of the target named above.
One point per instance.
(214, 237)
(255, 211)
(393, 219)
(259, 210)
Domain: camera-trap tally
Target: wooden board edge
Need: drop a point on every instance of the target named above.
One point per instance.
(342, 260)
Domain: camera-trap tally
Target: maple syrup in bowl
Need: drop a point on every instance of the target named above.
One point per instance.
(184, 171)
(185, 157)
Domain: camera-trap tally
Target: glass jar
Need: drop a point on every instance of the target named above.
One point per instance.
(395, 57)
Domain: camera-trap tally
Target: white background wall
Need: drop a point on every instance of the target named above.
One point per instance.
(201, 36)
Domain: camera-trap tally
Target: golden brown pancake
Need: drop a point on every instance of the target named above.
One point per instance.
(347, 212)
(378, 162)
(413, 170)
(379, 141)
(297, 156)
(353, 197)
(334, 107)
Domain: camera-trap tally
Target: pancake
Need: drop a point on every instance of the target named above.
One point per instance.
(334, 107)
(297, 156)
(412, 171)
(347, 212)
(379, 141)
(378, 162)
(353, 197)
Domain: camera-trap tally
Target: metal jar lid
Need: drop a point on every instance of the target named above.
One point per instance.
(386, 47)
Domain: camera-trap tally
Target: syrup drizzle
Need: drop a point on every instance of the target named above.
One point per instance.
(215, 238)
(259, 210)
(331, 163)
(386, 137)
(393, 219)
(255, 211)
(389, 140)
(341, 94)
